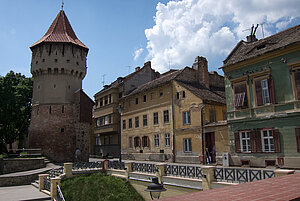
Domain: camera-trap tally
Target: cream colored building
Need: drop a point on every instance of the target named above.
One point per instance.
(167, 119)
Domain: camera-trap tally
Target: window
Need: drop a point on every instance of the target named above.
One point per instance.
(106, 120)
(187, 143)
(155, 118)
(166, 116)
(212, 115)
(297, 133)
(63, 109)
(156, 140)
(98, 141)
(101, 121)
(109, 98)
(167, 139)
(130, 123)
(130, 142)
(62, 130)
(145, 141)
(297, 84)
(136, 122)
(124, 124)
(245, 141)
(145, 122)
(257, 140)
(240, 96)
(183, 94)
(136, 141)
(267, 141)
(105, 100)
(177, 95)
(186, 118)
(161, 94)
(136, 101)
(101, 102)
(145, 98)
(264, 91)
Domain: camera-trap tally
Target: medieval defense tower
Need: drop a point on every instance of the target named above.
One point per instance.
(61, 112)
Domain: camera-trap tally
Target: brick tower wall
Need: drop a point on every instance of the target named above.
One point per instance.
(52, 130)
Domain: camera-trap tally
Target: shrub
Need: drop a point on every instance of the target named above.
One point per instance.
(99, 187)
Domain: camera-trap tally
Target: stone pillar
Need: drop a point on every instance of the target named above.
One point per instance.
(41, 181)
(128, 166)
(160, 171)
(207, 177)
(68, 169)
(53, 188)
(104, 165)
(281, 172)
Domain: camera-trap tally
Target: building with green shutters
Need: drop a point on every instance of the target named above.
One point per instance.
(262, 86)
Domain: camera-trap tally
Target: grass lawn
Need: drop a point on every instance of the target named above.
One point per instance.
(99, 187)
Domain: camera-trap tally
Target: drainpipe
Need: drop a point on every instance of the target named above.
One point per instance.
(173, 126)
(202, 132)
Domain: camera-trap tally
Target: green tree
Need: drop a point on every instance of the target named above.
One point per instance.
(15, 107)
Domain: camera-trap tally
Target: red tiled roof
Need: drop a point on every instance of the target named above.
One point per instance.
(279, 188)
(60, 31)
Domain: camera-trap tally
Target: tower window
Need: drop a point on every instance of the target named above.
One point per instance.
(68, 60)
(62, 130)
(50, 109)
(77, 63)
(36, 62)
(49, 70)
(55, 60)
(54, 85)
(43, 60)
(55, 70)
(62, 109)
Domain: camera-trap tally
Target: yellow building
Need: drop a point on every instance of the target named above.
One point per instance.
(174, 117)
(105, 141)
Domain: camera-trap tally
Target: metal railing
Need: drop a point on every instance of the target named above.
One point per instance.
(144, 167)
(47, 184)
(87, 165)
(239, 175)
(60, 196)
(116, 165)
(56, 172)
(183, 171)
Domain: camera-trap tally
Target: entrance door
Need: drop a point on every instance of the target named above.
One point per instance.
(210, 144)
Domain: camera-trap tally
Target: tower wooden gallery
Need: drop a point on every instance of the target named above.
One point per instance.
(61, 112)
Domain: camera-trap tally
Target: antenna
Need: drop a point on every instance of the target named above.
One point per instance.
(103, 78)
(128, 68)
(262, 29)
(62, 4)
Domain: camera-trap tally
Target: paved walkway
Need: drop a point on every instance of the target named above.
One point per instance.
(18, 193)
(279, 188)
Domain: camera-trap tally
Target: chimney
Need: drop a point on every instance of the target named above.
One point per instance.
(137, 68)
(252, 37)
(148, 63)
(200, 65)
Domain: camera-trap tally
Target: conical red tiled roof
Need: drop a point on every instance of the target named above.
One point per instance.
(60, 31)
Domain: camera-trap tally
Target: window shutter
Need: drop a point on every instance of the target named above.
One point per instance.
(253, 141)
(258, 92)
(237, 142)
(143, 141)
(148, 142)
(297, 83)
(276, 138)
(297, 133)
(271, 90)
(258, 143)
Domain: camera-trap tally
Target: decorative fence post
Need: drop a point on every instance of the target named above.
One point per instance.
(53, 189)
(41, 181)
(128, 166)
(68, 169)
(207, 177)
(160, 171)
(283, 172)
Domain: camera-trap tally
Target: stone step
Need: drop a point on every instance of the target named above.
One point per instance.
(35, 184)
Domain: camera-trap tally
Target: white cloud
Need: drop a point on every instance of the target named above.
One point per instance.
(137, 53)
(188, 28)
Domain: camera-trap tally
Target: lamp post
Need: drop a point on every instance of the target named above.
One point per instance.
(155, 188)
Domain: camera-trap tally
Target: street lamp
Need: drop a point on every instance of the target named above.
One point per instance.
(155, 188)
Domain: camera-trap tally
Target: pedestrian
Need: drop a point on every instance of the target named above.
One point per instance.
(77, 155)
(207, 156)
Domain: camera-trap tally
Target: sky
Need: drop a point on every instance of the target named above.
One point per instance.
(124, 34)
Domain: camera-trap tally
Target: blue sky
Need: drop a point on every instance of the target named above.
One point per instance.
(123, 33)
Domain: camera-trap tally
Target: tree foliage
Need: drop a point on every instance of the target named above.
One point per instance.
(15, 107)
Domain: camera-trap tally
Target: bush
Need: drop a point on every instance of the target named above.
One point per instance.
(99, 187)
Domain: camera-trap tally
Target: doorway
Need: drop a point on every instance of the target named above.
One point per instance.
(210, 144)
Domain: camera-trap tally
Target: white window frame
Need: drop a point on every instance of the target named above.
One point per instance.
(186, 118)
(156, 140)
(246, 139)
(187, 144)
(167, 139)
(265, 91)
(267, 141)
